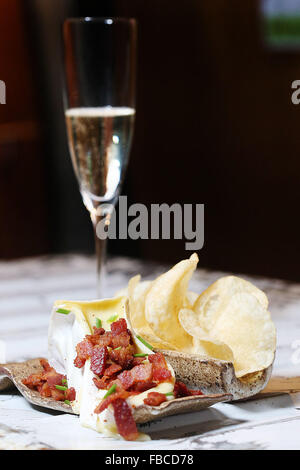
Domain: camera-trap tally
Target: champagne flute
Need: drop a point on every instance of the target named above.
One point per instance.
(100, 58)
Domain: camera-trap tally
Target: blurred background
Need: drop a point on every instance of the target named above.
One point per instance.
(215, 124)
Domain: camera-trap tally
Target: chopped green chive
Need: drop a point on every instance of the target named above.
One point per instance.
(67, 402)
(63, 310)
(110, 391)
(61, 387)
(144, 342)
(117, 349)
(113, 318)
(170, 394)
(64, 381)
(98, 323)
(140, 355)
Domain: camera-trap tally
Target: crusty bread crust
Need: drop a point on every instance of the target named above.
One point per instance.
(215, 376)
(16, 372)
(145, 413)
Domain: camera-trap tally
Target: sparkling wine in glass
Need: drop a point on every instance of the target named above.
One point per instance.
(100, 111)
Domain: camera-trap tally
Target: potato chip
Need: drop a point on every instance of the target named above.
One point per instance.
(191, 298)
(137, 292)
(234, 312)
(246, 327)
(141, 287)
(165, 299)
(229, 321)
(211, 302)
(203, 344)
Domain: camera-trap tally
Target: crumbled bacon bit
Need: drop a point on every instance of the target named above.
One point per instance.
(45, 365)
(101, 340)
(98, 360)
(143, 386)
(58, 395)
(155, 398)
(181, 390)
(33, 381)
(123, 356)
(141, 373)
(44, 390)
(124, 420)
(126, 379)
(118, 327)
(161, 372)
(53, 378)
(122, 340)
(161, 375)
(195, 392)
(118, 384)
(79, 362)
(110, 399)
(103, 383)
(84, 350)
(70, 394)
(158, 360)
(98, 331)
(95, 337)
(137, 361)
(45, 383)
(112, 369)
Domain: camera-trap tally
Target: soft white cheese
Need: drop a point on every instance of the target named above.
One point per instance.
(65, 332)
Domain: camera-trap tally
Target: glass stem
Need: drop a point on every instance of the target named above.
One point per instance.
(100, 245)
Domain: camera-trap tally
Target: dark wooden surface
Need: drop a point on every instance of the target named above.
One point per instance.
(215, 125)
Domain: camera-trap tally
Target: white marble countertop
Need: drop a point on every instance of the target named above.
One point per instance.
(27, 290)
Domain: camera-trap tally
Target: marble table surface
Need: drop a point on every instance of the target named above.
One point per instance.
(27, 290)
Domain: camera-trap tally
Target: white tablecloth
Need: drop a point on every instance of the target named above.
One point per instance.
(27, 290)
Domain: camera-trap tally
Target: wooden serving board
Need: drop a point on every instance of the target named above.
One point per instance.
(278, 385)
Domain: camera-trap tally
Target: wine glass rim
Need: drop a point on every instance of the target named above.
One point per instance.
(94, 19)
